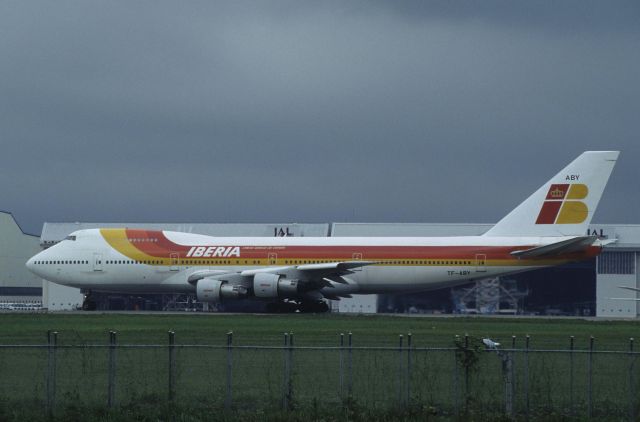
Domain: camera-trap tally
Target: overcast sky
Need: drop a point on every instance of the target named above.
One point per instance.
(293, 111)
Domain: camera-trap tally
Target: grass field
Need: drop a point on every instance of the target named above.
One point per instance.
(329, 384)
(312, 330)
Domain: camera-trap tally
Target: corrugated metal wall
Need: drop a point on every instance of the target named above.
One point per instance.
(17, 284)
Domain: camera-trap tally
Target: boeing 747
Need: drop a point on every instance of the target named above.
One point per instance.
(549, 228)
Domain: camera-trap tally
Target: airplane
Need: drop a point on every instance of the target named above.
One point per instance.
(297, 274)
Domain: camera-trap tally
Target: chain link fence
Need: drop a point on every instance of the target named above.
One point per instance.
(465, 378)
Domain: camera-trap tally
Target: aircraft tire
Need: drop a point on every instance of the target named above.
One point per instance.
(89, 305)
(281, 307)
(314, 307)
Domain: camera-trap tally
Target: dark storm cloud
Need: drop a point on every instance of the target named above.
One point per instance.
(300, 111)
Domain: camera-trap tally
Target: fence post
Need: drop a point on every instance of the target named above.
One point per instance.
(507, 371)
(400, 371)
(526, 374)
(466, 373)
(512, 373)
(341, 356)
(350, 366)
(112, 369)
(285, 381)
(287, 394)
(52, 341)
(632, 394)
(229, 397)
(590, 379)
(290, 381)
(172, 366)
(456, 376)
(408, 376)
(571, 348)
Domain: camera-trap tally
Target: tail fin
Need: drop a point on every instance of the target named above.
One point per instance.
(565, 204)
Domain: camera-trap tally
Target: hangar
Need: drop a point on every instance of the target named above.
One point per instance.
(17, 284)
(588, 288)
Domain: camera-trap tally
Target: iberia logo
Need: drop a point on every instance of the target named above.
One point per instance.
(561, 206)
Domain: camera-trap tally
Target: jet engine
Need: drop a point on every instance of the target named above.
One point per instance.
(267, 285)
(211, 290)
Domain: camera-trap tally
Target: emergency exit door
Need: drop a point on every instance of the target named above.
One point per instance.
(481, 262)
(97, 262)
(173, 261)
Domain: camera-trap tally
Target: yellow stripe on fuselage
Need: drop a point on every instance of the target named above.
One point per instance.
(118, 240)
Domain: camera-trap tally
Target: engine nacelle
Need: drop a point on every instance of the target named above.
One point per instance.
(267, 285)
(287, 287)
(208, 290)
(233, 291)
(211, 290)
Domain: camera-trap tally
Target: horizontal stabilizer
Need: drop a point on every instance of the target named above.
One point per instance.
(566, 246)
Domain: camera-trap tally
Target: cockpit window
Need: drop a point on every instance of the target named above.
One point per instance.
(70, 238)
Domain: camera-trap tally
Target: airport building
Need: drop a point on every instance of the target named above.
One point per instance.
(18, 287)
(586, 289)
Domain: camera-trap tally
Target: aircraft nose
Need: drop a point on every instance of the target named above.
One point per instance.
(30, 264)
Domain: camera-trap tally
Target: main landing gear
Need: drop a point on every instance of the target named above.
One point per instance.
(88, 304)
(289, 307)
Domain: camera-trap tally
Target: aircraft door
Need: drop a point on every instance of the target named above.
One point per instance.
(273, 258)
(173, 261)
(97, 262)
(481, 261)
(357, 257)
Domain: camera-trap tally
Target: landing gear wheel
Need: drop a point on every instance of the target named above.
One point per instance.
(314, 307)
(88, 304)
(282, 307)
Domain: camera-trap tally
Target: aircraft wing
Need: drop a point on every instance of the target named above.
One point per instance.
(566, 246)
(194, 277)
(344, 266)
(331, 275)
(312, 271)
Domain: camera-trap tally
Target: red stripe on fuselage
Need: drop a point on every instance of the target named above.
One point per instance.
(157, 245)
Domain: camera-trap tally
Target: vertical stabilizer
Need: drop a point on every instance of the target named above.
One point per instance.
(565, 204)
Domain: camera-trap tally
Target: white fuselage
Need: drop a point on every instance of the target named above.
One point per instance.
(547, 229)
(136, 261)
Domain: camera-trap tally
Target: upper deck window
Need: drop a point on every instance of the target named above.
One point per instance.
(70, 238)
